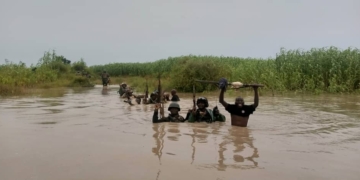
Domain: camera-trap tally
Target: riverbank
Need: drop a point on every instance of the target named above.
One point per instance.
(317, 71)
(139, 85)
(11, 90)
(51, 71)
(247, 93)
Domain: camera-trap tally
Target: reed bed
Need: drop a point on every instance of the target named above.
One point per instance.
(50, 71)
(316, 70)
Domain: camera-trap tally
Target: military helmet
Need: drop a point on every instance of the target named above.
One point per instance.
(174, 105)
(204, 100)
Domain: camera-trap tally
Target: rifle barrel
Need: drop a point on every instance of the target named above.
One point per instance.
(205, 81)
(229, 83)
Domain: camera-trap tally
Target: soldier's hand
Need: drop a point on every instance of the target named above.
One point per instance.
(157, 106)
(194, 110)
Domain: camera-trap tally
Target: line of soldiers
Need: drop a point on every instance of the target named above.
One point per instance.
(126, 92)
(239, 111)
(200, 113)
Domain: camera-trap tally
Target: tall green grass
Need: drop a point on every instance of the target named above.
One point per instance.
(50, 71)
(316, 70)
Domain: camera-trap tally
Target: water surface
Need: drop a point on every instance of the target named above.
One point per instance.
(89, 133)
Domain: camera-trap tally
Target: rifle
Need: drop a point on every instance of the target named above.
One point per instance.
(147, 90)
(145, 99)
(236, 84)
(194, 101)
(159, 99)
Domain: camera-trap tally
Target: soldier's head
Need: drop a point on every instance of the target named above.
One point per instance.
(216, 111)
(239, 101)
(173, 92)
(202, 103)
(167, 96)
(123, 85)
(174, 108)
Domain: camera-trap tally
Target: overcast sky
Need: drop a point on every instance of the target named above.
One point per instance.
(105, 31)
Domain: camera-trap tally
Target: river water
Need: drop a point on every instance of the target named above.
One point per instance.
(91, 134)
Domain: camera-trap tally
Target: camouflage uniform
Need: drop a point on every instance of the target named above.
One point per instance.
(105, 78)
(152, 99)
(170, 118)
(128, 93)
(122, 89)
(218, 116)
(208, 116)
(174, 97)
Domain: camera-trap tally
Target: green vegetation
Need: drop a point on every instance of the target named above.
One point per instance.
(317, 70)
(50, 71)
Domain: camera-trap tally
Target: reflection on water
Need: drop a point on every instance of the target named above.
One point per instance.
(174, 131)
(234, 143)
(54, 111)
(81, 90)
(159, 140)
(297, 137)
(241, 139)
(48, 122)
(104, 91)
(51, 93)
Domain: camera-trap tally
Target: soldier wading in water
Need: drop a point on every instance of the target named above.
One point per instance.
(105, 78)
(239, 111)
(174, 116)
(122, 89)
(202, 114)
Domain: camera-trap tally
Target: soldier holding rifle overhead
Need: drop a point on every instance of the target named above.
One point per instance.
(239, 111)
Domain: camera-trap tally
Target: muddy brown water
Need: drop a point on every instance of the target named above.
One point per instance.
(91, 134)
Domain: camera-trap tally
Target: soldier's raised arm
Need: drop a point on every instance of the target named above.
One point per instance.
(256, 97)
(222, 85)
(156, 117)
(221, 98)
